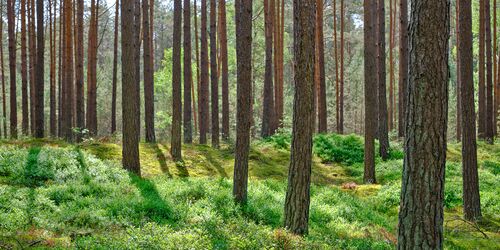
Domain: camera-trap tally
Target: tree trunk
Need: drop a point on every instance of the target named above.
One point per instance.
(268, 115)
(392, 27)
(299, 174)
(496, 81)
(68, 93)
(92, 69)
(52, 74)
(79, 81)
(203, 90)
(4, 100)
(188, 78)
(60, 72)
(137, 58)
(196, 42)
(320, 75)
(370, 65)
(340, 126)
(115, 69)
(481, 91)
(149, 109)
(421, 211)
(403, 64)
(459, 105)
(278, 100)
(383, 120)
(32, 63)
(24, 72)
(130, 95)
(243, 10)
(225, 69)
(12, 67)
(472, 207)
(39, 99)
(336, 56)
(213, 74)
(175, 149)
(489, 132)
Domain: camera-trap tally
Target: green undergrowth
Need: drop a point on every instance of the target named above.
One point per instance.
(57, 195)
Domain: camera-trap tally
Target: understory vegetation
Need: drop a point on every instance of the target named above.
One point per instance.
(54, 194)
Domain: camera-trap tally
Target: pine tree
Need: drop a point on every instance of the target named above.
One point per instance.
(79, 57)
(214, 80)
(203, 89)
(320, 70)
(489, 132)
(403, 65)
(115, 69)
(422, 192)
(268, 114)
(188, 77)
(149, 109)
(12, 68)
(24, 72)
(383, 120)
(175, 149)
(224, 69)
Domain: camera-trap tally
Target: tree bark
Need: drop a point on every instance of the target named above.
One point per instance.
(320, 62)
(115, 69)
(32, 62)
(79, 81)
(198, 80)
(203, 90)
(175, 149)
(40, 80)
(268, 114)
(489, 131)
(299, 174)
(92, 70)
(188, 78)
(459, 105)
(243, 10)
(224, 69)
(472, 206)
(52, 73)
(383, 120)
(213, 74)
(130, 95)
(12, 67)
(337, 76)
(340, 126)
(421, 211)
(68, 93)
(481, 91)
(24, 72)
(370, 65)
(403, 64)
(149, 109)
(4, 100)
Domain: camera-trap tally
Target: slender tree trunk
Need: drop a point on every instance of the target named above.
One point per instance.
(60, 72)
(137, 58)
(278, 101)
(320, 67)
(39, 99)
(481, 92)
(32, 66)
(391, 113)
(268, 115)
(198, 80)
(403, 64)
(4, 100)
(472, 207)
(496, 82)
(383, 117)
(115, 69)
(340, 126)
(68, 93)
(225, 69)
(130, 93)
(24, 72)
(243, 10)
(52, 73)
(459, 99)
(370, 65)
(213, 74)
(299, 174)
(79, 81)
(175, 149)
(188, 78)
(336, 56)
(421, 211)
(91, 114)
(489, 132)
(203, 90)
(12, 67)
(149, 109)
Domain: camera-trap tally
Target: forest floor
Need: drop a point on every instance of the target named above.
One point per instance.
(59, 195)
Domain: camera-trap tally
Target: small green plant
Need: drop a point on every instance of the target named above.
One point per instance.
(337, 148)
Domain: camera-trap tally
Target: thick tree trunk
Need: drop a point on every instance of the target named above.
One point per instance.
(24, 72)
(320, 67)
(92, 70)
(299, 174)
(149, 108)
(203, 90)
(68, 93)
(188, 78)
(383, 120)
(370, 65)
(130, 95)
(12, 67)
(79, 81)
(175, 149)
(268, 114)
(472, 207)
(224, 68)
(489, 132)
(421, 211)
(481, 91)
(115, 69)
(243, 10)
